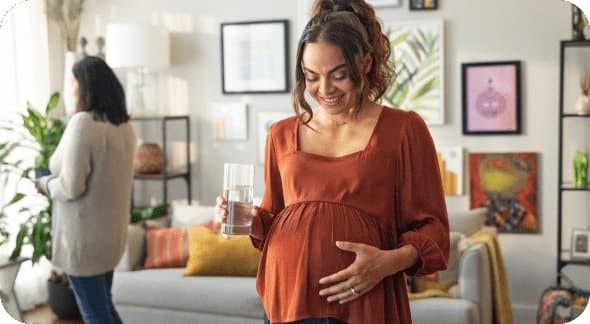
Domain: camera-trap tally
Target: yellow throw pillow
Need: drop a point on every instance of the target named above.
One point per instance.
(212, 255)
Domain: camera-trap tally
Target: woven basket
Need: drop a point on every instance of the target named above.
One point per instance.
(148, 159)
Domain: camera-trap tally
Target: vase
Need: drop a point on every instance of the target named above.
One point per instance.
(580, 169)
(583, 105)
(68, 96)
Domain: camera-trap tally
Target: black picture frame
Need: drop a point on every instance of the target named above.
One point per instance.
(491, 98)
(423, 4)
(255, 57)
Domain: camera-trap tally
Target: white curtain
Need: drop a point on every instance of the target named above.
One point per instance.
(24, 76)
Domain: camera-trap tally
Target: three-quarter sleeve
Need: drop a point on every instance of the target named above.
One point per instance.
(422, 210)
(272, 200)
(73, 156)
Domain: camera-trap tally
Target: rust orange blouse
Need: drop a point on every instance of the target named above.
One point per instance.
(387, 195)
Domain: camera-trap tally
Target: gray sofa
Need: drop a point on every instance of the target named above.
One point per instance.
(166, 296)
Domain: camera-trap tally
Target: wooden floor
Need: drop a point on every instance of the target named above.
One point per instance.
(44, 315)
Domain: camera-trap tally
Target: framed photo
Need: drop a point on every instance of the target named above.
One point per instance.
(580, 244)
(491, 98)
(505, 183)
(265, 119)
(417, 57)
(229, 121)
(423, 4)
(384, 3)
(254, 57)
(450, 163)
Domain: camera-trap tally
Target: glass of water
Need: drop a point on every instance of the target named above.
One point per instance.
(238, 191)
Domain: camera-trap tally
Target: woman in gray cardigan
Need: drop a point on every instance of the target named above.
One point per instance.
(90, 184)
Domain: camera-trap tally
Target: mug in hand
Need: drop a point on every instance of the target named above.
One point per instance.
(238, 191)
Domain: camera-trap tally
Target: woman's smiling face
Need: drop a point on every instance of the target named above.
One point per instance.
(327, 78)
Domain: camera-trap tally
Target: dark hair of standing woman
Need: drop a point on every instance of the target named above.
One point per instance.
(352, 26)
(100, 92)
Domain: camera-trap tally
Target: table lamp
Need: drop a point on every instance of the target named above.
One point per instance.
(138, 49)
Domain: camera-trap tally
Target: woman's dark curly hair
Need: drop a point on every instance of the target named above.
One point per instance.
(352, 26)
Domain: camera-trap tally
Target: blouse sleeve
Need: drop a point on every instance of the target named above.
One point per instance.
(74, 159)
(423, 213)
(272, 200)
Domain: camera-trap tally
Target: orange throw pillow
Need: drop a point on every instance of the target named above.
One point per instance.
(166, 247)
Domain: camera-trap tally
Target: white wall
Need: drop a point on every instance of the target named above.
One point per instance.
(476, 30)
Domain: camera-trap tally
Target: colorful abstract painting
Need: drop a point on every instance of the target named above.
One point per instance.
(450, 162)
(417, 49)
(506, 183)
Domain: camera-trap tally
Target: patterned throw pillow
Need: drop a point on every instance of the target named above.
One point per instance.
(166, 247)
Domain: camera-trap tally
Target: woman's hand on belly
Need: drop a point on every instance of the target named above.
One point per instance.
(370, 266)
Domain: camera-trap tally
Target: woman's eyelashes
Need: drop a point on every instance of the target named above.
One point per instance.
(336, 76)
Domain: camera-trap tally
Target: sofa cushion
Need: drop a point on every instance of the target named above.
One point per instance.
(166, 247)
(468, 221)
(211, 254)
(187, 215)
(169, 289)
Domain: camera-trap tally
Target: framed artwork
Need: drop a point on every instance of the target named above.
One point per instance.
(265, 119)
(230, 121)
(505, 183)
(423, 4)
(384, 3)
(491, 98)
(417, 57)
(580, 244)
(254, 57)
(450, 162)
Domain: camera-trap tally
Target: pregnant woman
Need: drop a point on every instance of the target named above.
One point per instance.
(353, 197)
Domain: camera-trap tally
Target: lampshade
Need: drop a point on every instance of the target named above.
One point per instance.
(137, 46)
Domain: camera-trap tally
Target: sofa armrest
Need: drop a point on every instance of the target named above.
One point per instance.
(475, 280)
(134, 254)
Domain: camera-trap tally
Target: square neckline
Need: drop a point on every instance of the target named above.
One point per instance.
(327, 157)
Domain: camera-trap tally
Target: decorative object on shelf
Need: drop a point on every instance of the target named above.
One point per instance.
(579, 22)
(583, 102)
(148, 159)
(450, 162)
(491, 98)
(423, 4)
(140, 49)
(255, 57)
(580, 169)
(417, 57)
(580, 243)
(99, 45)
(505, 183)
(67, 13)
(230, 121)
(265, 119)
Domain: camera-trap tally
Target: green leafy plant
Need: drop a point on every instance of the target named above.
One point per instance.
(39, 132)
(44, 129)
(138, 214)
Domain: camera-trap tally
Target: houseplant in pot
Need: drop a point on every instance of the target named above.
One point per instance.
(41, 132)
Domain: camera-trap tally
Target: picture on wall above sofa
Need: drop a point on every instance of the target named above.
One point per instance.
(506, 183)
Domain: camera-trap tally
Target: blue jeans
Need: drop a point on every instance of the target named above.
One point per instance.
(93, 296)
(327, 320)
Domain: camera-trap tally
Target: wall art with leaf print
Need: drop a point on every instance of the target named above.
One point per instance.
(417, 57)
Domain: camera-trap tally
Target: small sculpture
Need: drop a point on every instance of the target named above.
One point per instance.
(583, 102)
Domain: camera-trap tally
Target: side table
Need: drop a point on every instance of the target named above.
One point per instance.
(8, 271)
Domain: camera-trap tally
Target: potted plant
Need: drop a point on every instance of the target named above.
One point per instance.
(41, 132)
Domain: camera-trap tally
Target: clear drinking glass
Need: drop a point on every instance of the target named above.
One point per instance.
(238, 191)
